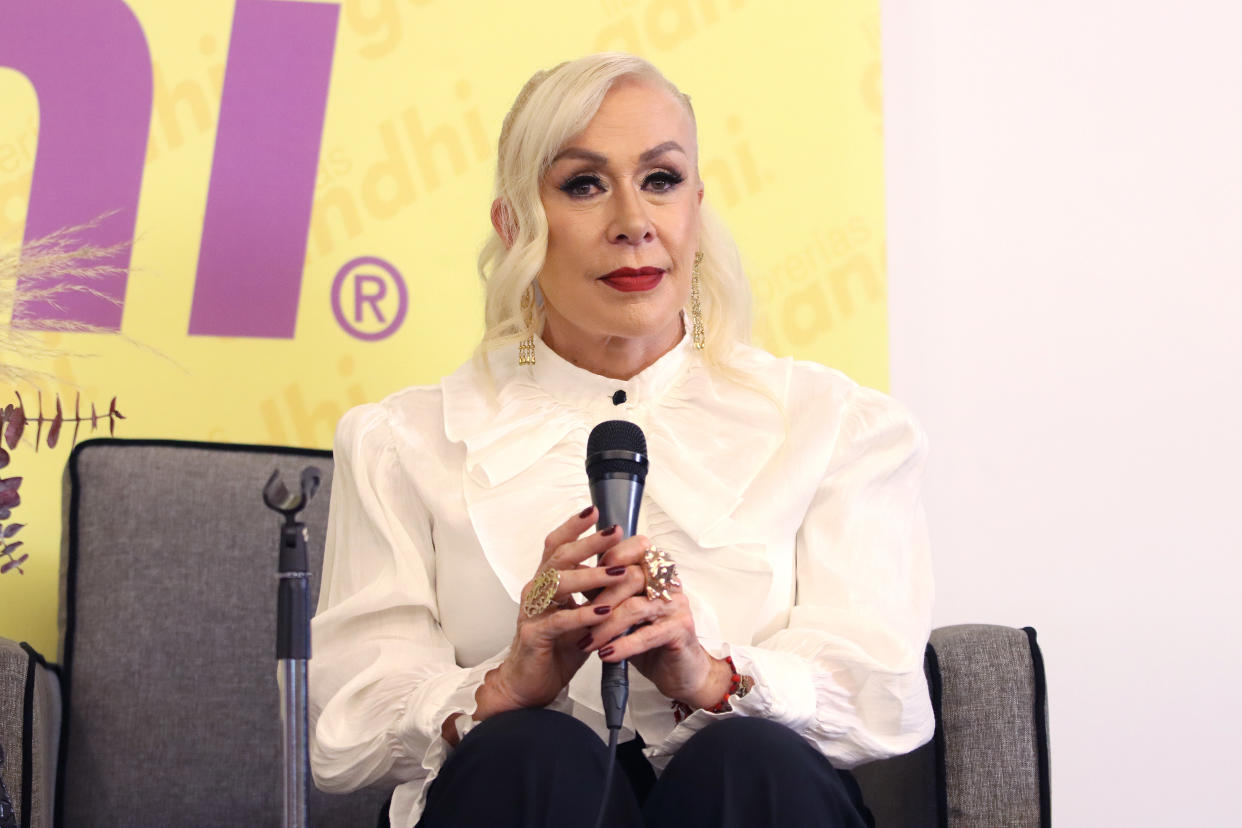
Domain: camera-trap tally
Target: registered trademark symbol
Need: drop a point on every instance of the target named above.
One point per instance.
(369, 298)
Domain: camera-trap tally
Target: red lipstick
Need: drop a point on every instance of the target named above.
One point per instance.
(630, 279)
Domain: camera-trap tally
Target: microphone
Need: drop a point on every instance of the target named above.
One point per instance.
(616, 465)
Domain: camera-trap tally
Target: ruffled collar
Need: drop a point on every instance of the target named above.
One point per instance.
(574, 386)
(525, 444)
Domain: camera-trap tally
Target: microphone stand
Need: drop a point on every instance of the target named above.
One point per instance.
(293, 637)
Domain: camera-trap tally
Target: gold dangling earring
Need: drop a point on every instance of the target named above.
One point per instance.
(526, 349)
(696, 310)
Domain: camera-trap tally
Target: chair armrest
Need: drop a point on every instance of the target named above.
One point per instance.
(994, 726)
(30, 722)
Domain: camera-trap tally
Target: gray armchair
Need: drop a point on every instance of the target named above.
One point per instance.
(164, 709)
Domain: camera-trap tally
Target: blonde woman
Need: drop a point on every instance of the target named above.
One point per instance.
(468, 601)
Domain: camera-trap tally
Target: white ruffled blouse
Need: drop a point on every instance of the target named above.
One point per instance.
(797, 530)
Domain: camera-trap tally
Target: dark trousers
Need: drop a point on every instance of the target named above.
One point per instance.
(536, 767)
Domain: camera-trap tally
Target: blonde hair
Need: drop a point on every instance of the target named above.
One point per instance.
(553, 106)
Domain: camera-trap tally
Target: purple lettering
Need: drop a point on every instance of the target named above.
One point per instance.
(363, 296)
(263, 174)
(388, 276)
(91, 70)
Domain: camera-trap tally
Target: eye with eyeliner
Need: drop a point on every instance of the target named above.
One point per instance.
(582, 185)
(663, 181)
(585, 185)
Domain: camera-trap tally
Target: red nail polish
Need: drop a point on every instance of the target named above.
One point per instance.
(604, 653)
(615, 570)
(586, 511)
(611, 530)
(585, 642)
(603, 610)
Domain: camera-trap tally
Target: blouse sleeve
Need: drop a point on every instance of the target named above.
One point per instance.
(847, 670)
(383, 676)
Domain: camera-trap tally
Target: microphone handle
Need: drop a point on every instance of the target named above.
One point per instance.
(617, 496)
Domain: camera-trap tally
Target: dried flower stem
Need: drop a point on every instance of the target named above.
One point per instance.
(14, 421)
(44, 271)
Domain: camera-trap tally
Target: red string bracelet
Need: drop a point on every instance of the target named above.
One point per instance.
(739, 685)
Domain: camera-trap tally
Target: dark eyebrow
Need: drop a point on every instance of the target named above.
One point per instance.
(658, 150)
(600, 160)
(585, 155)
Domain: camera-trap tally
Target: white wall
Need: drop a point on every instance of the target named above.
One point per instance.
(1065, 258)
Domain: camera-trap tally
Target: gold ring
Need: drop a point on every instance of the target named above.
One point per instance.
(661, 574)
(541, 592)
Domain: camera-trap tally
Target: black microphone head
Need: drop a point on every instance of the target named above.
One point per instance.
(616, 446)
(616, 435)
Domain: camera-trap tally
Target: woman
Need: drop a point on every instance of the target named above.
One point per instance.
(787, 495)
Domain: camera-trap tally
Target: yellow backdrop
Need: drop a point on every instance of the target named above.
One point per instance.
(788, 102)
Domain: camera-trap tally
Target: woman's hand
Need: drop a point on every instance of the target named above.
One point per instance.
(664, 646)
(549, 648)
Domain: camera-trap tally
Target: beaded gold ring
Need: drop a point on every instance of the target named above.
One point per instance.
(661, 574)
(541, 592)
